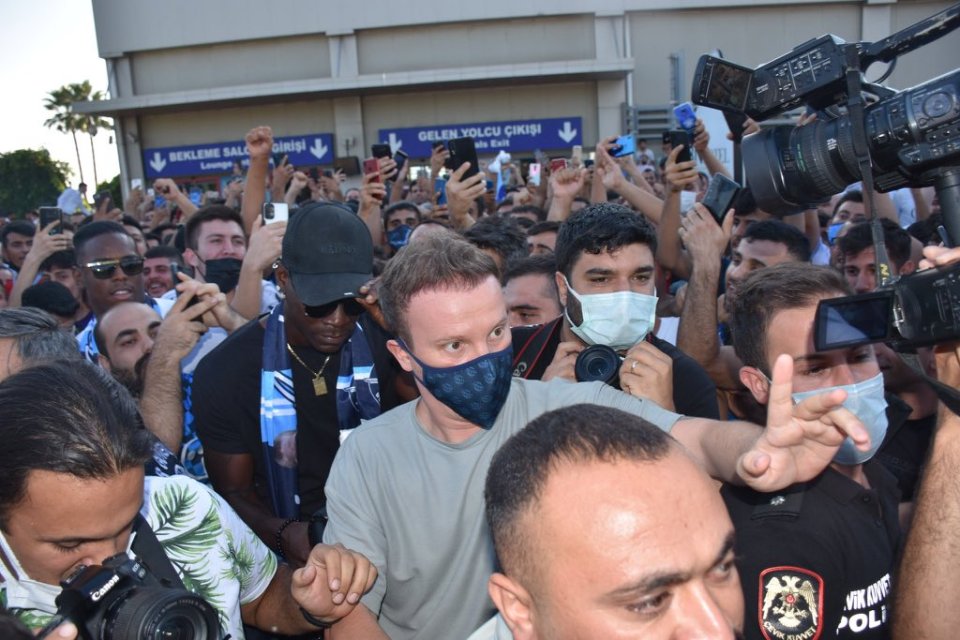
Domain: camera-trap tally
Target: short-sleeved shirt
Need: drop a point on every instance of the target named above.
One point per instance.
(694, 393)
(215, 554)
(817, 559)
(414, 506)
(226, 405)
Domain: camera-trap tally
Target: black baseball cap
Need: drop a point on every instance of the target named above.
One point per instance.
(328, 252)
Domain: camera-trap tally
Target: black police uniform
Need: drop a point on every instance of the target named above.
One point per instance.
(817, 559)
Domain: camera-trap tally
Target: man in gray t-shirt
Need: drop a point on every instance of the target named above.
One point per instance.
(406, 489)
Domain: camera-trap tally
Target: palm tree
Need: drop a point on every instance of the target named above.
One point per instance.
(64, 120)
(67, 120)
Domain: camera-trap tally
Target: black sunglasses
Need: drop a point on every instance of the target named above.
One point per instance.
(103, 269)
(350, 307)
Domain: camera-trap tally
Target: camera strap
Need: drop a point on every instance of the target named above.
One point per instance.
(861, 149)
(949, 396)
(150, 552)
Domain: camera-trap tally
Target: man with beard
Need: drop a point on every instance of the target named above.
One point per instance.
(158, 274)
(763, 244)
(144, 352)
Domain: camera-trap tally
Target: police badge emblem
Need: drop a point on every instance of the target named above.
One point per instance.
(791, 604)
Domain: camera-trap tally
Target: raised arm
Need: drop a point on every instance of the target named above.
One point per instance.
(670, 255)
(259, 145)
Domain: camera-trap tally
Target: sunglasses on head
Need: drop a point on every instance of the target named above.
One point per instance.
(350, 307)
(103, 269)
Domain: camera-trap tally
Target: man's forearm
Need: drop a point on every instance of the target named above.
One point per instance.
(714, 166)
(360, 623)
(246, 299)
(697, 334)
(931, 558)
(161, 403)
(643, 201)
(670, 254)
(372, 217)
(276, 610)
(254, 192)
(28, 273)
(559, 208)
(717, 446)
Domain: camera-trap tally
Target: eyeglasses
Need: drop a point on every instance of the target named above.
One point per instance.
(350, 307)
(103, 269)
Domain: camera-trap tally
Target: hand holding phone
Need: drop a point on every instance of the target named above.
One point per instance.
(558, 164)
(625, 145)
(533, 176)
(677, 138)
(275, 212)
(463, 150)
(49, 215)
(686, 117)
(372, 165)
(720, 195)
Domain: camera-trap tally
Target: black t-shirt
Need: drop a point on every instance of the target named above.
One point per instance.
(226, 405)
(818, 556)
(904, 449)
(694, 393)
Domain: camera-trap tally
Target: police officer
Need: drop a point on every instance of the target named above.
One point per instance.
(817, 558)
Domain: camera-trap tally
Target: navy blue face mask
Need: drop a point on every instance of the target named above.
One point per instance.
(399, 237)
(475, 390)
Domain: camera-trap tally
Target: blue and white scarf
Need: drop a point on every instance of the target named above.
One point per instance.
(358, 398)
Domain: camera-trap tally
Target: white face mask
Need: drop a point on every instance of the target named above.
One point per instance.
(618, 320)
(23, 592)
(866, 401)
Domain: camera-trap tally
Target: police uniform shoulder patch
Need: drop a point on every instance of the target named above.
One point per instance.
(791, 604)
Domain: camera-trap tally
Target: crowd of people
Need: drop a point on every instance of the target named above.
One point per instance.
(376, 417)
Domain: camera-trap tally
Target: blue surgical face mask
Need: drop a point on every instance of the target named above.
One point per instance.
(618, 320)
(399, 237)
(475, 390)
(866, 401)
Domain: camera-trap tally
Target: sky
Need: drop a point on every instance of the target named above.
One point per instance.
(47, 44)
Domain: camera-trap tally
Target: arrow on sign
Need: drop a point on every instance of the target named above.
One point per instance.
(318, 150)
(395, 143)
(157, 162)
(567, 134)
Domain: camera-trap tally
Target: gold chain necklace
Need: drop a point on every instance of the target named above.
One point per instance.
(319, 384)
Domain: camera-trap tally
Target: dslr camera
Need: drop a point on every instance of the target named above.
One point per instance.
(903, 138)
(121, 600)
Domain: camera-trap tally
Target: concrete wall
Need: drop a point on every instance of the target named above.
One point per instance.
(304, 66)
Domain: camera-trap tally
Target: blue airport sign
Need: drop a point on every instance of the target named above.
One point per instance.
(489, 137)
(218, 157)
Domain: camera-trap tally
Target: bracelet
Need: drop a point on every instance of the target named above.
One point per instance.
(317, 622)
(283, 525)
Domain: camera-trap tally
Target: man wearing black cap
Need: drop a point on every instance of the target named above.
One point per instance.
(288, 386)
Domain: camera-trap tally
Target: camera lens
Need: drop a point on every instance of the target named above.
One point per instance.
(790, 168)
(156, 613)
(268, 211)
(598, 362)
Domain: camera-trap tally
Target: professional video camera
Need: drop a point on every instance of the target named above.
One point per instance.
(913, 136)
(120, 599)
(908, 138)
